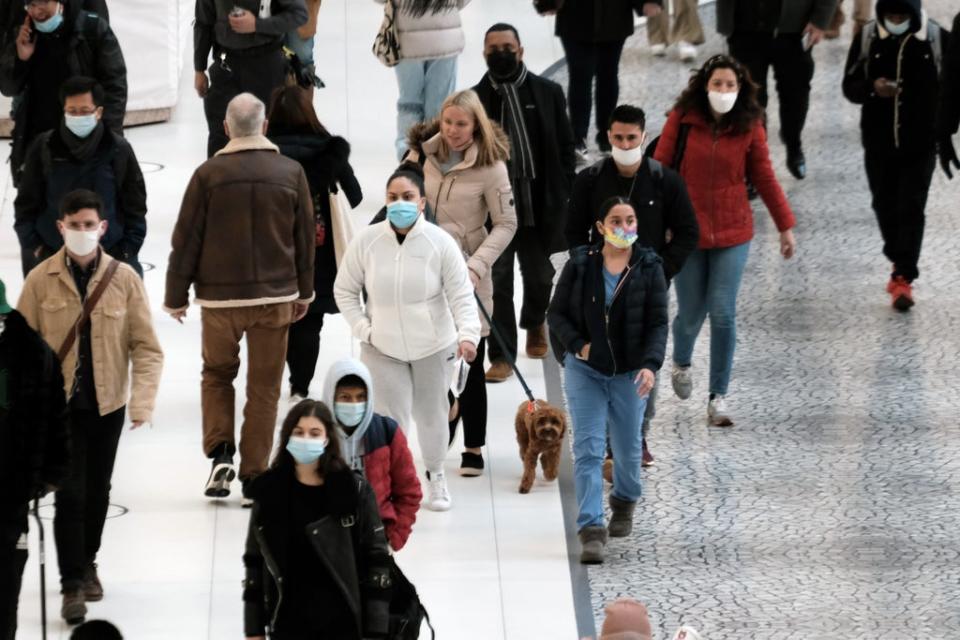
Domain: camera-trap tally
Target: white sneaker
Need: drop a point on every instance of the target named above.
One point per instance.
(658, 50)
(682, 381)
(439, 496)
(295, 399)
(717, 413)
(687, 51)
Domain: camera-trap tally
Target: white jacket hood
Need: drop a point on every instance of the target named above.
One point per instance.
(353, 443)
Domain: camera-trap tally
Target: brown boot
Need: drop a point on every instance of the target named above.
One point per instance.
(593, 541)
(74, 608)
(537, 342)
(92, 589)
(499, 371)
(621, 517)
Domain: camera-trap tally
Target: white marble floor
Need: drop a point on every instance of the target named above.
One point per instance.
(493, 567)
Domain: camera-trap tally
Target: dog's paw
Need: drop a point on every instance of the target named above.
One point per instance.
(524, 489)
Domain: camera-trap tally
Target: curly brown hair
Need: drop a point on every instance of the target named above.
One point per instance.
(746, 111)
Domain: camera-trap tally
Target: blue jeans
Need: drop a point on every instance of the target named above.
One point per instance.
(303, 47)
(708, 284)
(424, 85)
(599, 404)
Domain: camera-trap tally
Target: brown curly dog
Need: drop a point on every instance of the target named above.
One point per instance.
(540, 429)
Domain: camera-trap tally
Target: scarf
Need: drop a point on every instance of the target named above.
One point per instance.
(83, 149)
(522, 171)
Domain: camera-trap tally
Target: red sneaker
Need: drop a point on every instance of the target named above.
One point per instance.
(647, 456)
(901, 293)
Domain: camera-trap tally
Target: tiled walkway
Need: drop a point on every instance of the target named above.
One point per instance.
(831, 510)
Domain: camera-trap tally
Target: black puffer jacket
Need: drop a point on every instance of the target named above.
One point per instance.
(948, 116)
(905, 123)
(93, 51)
(325, 161)
(350, 543)
(633, 334)
(598, 21)
(34, 437)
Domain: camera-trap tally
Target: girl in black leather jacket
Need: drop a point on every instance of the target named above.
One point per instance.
(317, 561)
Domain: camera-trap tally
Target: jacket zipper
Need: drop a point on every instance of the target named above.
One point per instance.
(397, 287)
(606, 315)
(896, 103)
(713, 155)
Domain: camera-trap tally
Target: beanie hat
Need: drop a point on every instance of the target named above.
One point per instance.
(626, 619)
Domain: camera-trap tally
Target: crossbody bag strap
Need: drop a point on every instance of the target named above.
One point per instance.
(88, 308)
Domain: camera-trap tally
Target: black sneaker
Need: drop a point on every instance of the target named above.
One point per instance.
(797, 163)
(471, 464)
(453, 418)
(222, 474)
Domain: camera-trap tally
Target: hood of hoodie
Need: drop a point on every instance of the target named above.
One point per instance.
(352, 444)
(901, 6)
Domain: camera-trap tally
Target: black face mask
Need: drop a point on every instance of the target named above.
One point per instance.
(502, 64)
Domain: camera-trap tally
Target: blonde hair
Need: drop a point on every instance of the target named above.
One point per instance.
(492, 143)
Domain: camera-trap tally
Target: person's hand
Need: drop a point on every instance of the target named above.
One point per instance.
(948, 155)
(299, 310)
(467, 351)
(585, 352)
(136, 424)
(788, 244)
(644, 381)
(244, 23)
(814, 35)
(885, 88)
(25, 44)
(179, 315)
(651, 9)
(201, 83)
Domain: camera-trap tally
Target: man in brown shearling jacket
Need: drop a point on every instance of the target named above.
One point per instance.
(245, 241)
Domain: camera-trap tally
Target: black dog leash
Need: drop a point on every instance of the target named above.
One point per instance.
(506, 351)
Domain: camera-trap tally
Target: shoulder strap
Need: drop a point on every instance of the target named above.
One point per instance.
(88, 308)
(681, 145)
(867, 34)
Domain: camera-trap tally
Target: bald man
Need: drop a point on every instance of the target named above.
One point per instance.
(245, 241)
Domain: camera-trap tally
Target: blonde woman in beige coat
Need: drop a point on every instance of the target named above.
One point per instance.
(464, 163)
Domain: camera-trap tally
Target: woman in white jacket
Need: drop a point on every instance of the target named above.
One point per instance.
(431, 40)
(418, 317)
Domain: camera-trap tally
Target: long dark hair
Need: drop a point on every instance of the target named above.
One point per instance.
(746, 111)
(332, 459)
(420, 8)
(291, 109)
(412, 172)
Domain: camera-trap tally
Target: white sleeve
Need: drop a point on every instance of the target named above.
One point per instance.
(348, 288)
(459, 292)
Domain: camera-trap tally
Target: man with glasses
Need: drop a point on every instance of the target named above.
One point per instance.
(56, 41)
(81, 153)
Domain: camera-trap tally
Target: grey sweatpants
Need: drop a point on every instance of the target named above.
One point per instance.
(415, 391)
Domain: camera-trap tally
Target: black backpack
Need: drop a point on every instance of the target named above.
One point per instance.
(677, 152)
(407, 613)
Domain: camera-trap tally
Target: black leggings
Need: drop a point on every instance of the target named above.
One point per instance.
(473, 403)
(303, 350)
(586, 61)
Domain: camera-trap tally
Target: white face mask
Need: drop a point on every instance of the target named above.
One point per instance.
(81, 243)
(896, 29)
(722, 102)
(627, 157)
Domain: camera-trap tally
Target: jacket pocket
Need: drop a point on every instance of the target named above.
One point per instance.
(114, 324)
(55, 320)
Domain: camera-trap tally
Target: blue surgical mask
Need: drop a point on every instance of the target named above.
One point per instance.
(306, 450)
(896, 29)
(51, 24)
(403, 213)
(350, 414)
(81, 126)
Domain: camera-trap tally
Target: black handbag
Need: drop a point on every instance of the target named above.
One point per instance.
(407, 613)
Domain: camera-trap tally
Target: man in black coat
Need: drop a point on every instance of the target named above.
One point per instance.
(82, 153)
(666, 221)
(33, 445)
(56, 41)
(781, 34)
(948, 115)
(896, 80)
(593, 33)
(246, 39)
(542, 164)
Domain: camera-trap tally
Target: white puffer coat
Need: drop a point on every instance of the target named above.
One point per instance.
(431, 36)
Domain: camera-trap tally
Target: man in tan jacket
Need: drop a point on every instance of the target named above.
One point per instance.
(245, 240)
(117, 339)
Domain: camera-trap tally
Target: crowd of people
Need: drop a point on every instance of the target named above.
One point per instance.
(489, 176)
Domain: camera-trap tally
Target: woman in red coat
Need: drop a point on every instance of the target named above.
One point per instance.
(725, 142)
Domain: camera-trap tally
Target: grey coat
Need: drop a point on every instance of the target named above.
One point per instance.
(794, 15)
